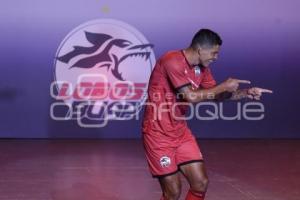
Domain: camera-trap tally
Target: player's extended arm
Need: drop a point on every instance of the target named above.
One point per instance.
(250, 93)
(194, 96)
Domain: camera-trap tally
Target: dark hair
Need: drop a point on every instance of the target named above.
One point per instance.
(206, 37)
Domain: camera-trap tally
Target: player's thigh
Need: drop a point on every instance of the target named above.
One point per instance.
(160, 157)
(195, 170)
(196, 175)
(171, 184)
(188, 151)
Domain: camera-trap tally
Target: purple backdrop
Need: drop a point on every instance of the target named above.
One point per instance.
(261, 43)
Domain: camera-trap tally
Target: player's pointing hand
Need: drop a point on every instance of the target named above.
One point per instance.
(256, 93)
(231, 84)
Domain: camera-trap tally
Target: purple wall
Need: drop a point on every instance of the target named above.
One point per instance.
(261, 43)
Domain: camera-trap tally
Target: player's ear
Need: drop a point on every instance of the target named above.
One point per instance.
(199, 50)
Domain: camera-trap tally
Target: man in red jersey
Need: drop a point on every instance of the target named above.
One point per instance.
(180, 78)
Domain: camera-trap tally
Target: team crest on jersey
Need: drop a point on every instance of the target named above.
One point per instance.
(101, 72)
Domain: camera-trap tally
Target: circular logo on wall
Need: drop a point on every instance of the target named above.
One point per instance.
(102, 69)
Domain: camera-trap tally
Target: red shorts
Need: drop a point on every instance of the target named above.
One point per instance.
(165, 155)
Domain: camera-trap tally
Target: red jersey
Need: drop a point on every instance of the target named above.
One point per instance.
(163, 112)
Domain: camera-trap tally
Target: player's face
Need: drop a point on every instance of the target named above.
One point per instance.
(207, 55)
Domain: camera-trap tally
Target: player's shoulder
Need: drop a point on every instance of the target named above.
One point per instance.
(172, 55)
(172, 58)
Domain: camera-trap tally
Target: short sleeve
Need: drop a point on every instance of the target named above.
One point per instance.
(208, 80)
(176, 74)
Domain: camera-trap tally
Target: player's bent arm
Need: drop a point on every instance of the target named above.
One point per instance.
(236, 95)
(195, 96)
(230, 85)
(240, 94)
(250, 93)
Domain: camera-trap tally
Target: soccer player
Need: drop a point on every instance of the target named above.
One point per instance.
(178, 78)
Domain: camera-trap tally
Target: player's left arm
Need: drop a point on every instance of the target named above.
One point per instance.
(250, 93)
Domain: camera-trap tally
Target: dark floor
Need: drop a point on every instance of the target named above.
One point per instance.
(116, 169)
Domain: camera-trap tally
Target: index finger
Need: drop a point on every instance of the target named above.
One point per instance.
(243, 81)
(262, 90)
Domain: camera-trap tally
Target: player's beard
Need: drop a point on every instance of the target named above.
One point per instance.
(208, 62)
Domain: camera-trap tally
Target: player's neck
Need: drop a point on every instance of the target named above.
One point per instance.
(190, 56)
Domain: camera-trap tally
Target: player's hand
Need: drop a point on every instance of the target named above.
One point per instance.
(255, 92)
(232, 84)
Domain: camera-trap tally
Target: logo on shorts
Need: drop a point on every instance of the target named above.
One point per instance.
(102, 69)
(165, 161)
